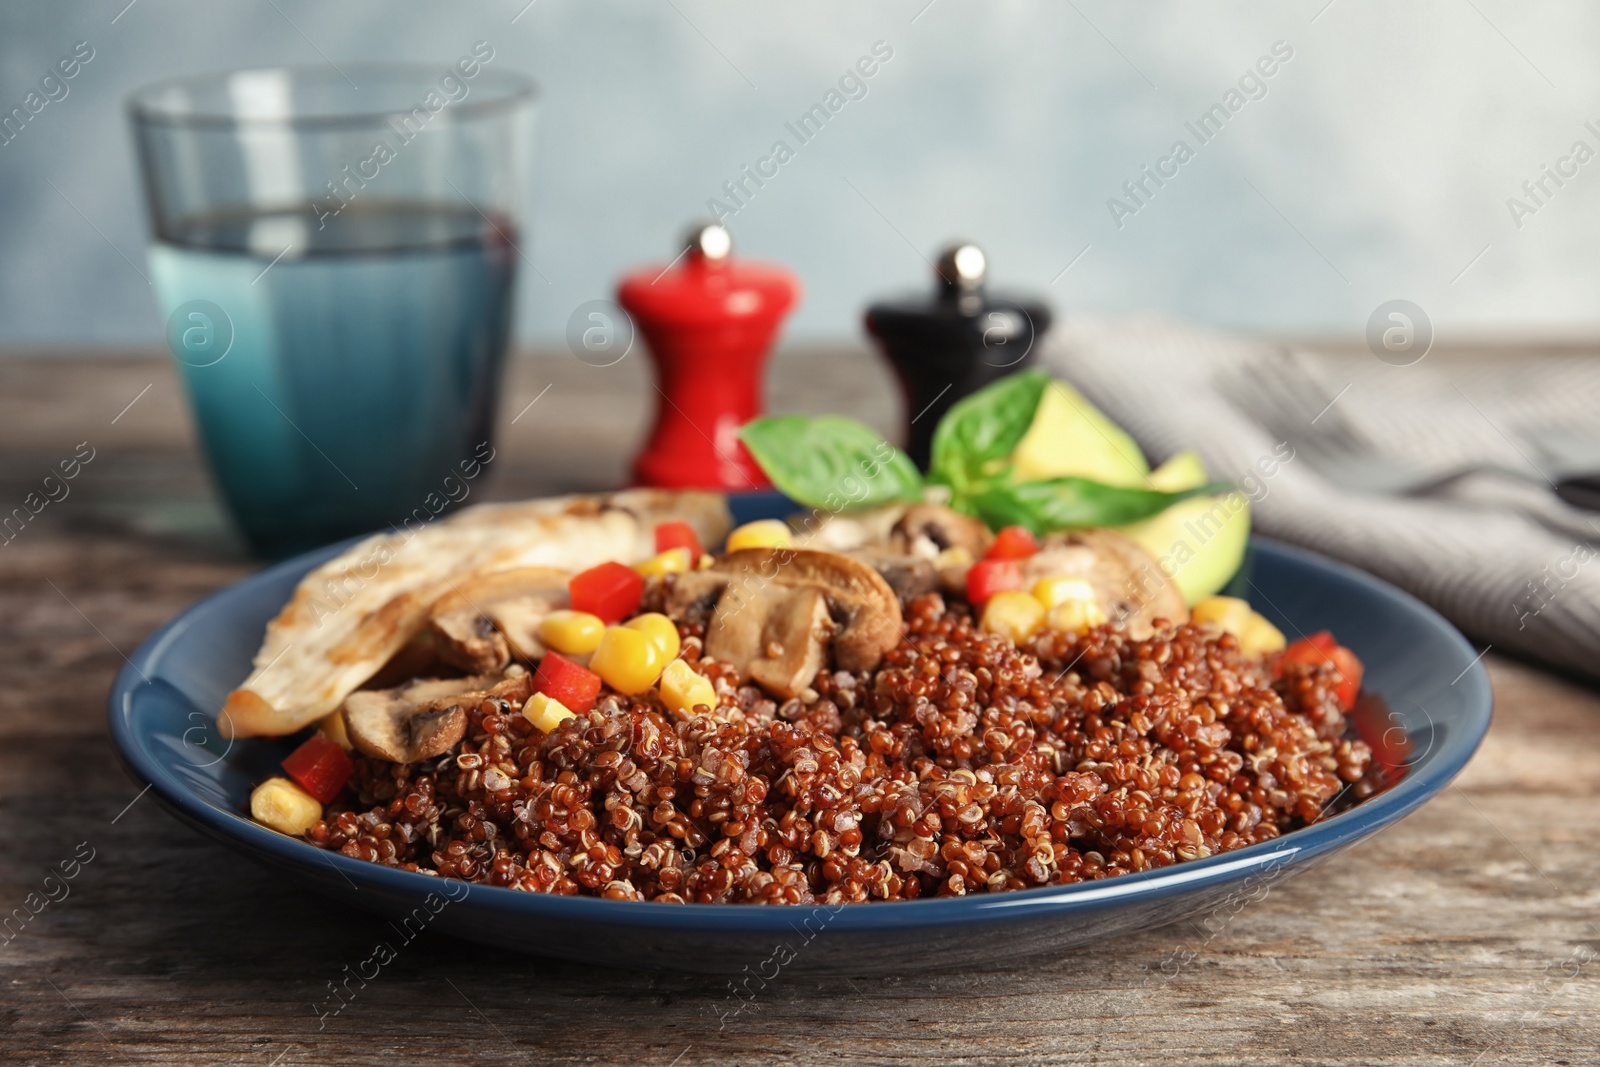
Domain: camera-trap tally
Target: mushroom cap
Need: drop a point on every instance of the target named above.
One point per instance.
(778, 636)
(941, 527)
(486, 619)
(909, 576)
(692, 596)
(859, 600)
(412, 722)
(1131, 585)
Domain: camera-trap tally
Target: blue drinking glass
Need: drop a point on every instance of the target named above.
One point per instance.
(334, 255)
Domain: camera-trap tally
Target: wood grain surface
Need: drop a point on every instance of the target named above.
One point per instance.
(1467, 934)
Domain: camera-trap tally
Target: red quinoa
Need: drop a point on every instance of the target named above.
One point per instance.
(961, 765)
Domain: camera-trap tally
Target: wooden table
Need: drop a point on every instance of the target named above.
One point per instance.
(1465, 935)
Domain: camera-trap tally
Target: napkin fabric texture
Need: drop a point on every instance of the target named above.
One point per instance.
(1436, 476)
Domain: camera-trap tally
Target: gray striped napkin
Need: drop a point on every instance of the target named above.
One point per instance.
(1434, 477)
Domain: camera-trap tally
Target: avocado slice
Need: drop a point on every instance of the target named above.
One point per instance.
(1200, 542)
(1070, 437)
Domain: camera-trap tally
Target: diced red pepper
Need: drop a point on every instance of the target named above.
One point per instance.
(1013, 542)
(678, 534)
(320, 767)
(558, 678)
(987, 577)
(1350, 671)
(1322, 641)
(1320, 648)
(1390, 744)
(610, 591)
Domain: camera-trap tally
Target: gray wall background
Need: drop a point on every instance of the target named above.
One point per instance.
(1378, 165)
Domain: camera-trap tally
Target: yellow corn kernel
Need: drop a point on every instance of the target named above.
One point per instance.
(1228, 612)
(545, 712)
(1014, 615)
(1260, 637)
(672, 561)
(1076, 616)
(682, 687)
(572, 633)
(707, 561)
(956, 556)
(285, 807)
(1257, 636)
(763, 533)
(660, 629)
(629, 661)
(331, 726)
(1053, 591)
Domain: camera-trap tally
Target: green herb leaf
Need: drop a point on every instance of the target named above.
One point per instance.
(830, 461)
(1069, 503)
(985, 428)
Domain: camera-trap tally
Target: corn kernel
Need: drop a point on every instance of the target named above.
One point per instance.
(1053, 591)
(1260, 637)
(955, 556)
(682, 687)
(629, 661)
(545, 712)
(1014, 615)
(1256, 635)
(707, 561)
(763, 533)
(332, 727)
(572, 633)
(1228, 612)
(283, 806)
(672, 561)
(1076, 616)
(659, 629)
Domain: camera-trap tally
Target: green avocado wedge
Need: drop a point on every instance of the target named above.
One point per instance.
(1200, 542)
(1071, 438)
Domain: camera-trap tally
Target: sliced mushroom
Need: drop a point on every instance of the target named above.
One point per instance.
(773, 614)
(433, 730)
(487, 619)
(692, 596)
(1132, 587)
(412, 722)
(778, 637)
(926, 530)
(909, 576)
(418, 658)
(859, 600)
(424, 719)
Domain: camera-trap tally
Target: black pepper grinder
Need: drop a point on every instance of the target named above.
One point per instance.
(947, 347)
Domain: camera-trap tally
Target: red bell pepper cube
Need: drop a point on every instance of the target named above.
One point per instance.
(1013, 542)
(1321, 648)
(558, 678)
(678, 534)
(987, 577)
(610, 591)
(320, 767)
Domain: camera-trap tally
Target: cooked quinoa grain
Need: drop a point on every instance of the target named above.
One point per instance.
(960, 765)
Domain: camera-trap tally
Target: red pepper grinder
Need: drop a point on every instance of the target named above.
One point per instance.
(710, 323)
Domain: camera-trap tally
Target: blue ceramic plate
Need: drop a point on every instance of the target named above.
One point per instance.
(1434, 709)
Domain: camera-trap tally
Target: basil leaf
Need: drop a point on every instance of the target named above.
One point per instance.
(830, 461)
(1069, 503)
(984, 428)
